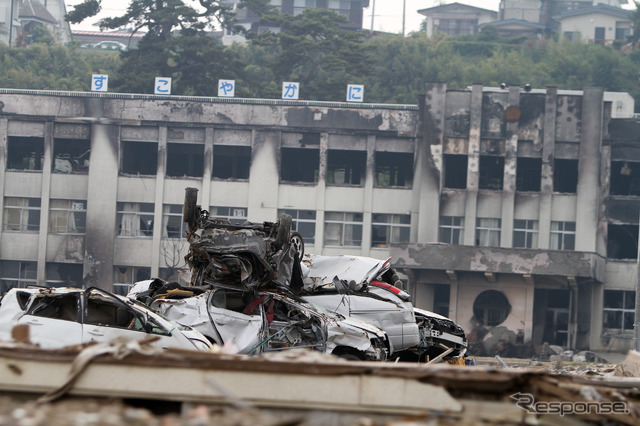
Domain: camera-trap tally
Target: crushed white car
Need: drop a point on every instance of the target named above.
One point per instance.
(263, 321)
(65, 316)
(363, 288)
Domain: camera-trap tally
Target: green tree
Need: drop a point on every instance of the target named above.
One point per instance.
(312, 48)
(176, 43)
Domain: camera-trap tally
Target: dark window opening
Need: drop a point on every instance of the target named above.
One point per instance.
(622, 242)
(346, 167)
(455, 171)
(185, 159)
(625, 178)
(441, 299)
(299, 165)
(139, 158)
(619, 310)
(71, 155)
(528, 174)
(25, 153)
(394, 169)
(565, 176)
(61, 307)
(310, 139)
(491, 172)
(491, 308)
(64, 274)
(231, 162)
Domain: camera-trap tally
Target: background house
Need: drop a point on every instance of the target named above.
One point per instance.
(456, 19)
(350, 9)
(27, 14)
(601, 24)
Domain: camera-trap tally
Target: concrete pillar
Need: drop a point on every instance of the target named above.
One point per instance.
(453, 300)
(368, 195)
(161, 171)
(588, 200)
(510, 165)
(264, 176)
(205, 197)
(321, 189)
(101, 199)
(426, 181)
(597, 301)
(473, 166)
(528, 312)
(548, 157)
(45, 189)
(4, 134)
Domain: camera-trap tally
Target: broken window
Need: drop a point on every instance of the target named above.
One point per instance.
(17, 273)
(343, 229)
(491, 308)
(491, 172)
(346, 167)
(619, 310)
(139, 158)
(185, 159)
(525, 233)
(451, 229)
(299, 165)
(172, 224)
(622, 242)
(21, 214)
(528, 174)
(563, 235)
(105, 313)
(231, 162)
(441, 299)
(63, 307)
(124, 277)
(565, 176)
(64, 274)
(389, 229)
(488, 232)
(135, 219)
(25, 153)
(625, 178)
(455, 171)
(394, 169)
(304, 222)
(67, 216)
(71, 155)
(235, 215)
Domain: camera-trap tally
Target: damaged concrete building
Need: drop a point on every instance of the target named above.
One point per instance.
(514, 213)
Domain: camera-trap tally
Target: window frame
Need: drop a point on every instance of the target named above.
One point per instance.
(70, 212)
(530, 230)
(28, 209)
(562, 234)
(343, 225)
(391, 226)
(451, 228)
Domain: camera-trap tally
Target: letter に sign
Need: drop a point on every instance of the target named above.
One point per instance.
(99, 82)
(226, 88)
(355, 93)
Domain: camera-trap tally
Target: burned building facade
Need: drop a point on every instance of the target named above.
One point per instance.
(514, 213)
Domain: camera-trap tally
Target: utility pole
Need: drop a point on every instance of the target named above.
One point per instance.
(11, 23)
(404, 14)
(373, 13)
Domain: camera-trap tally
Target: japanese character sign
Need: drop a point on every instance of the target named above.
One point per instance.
(226, 88)
(290, 90)
(162, 86)
(355, 93)
(99, 82)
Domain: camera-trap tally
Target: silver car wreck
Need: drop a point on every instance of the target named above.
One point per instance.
(363, 288)
(262, 321)
(65, 316)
